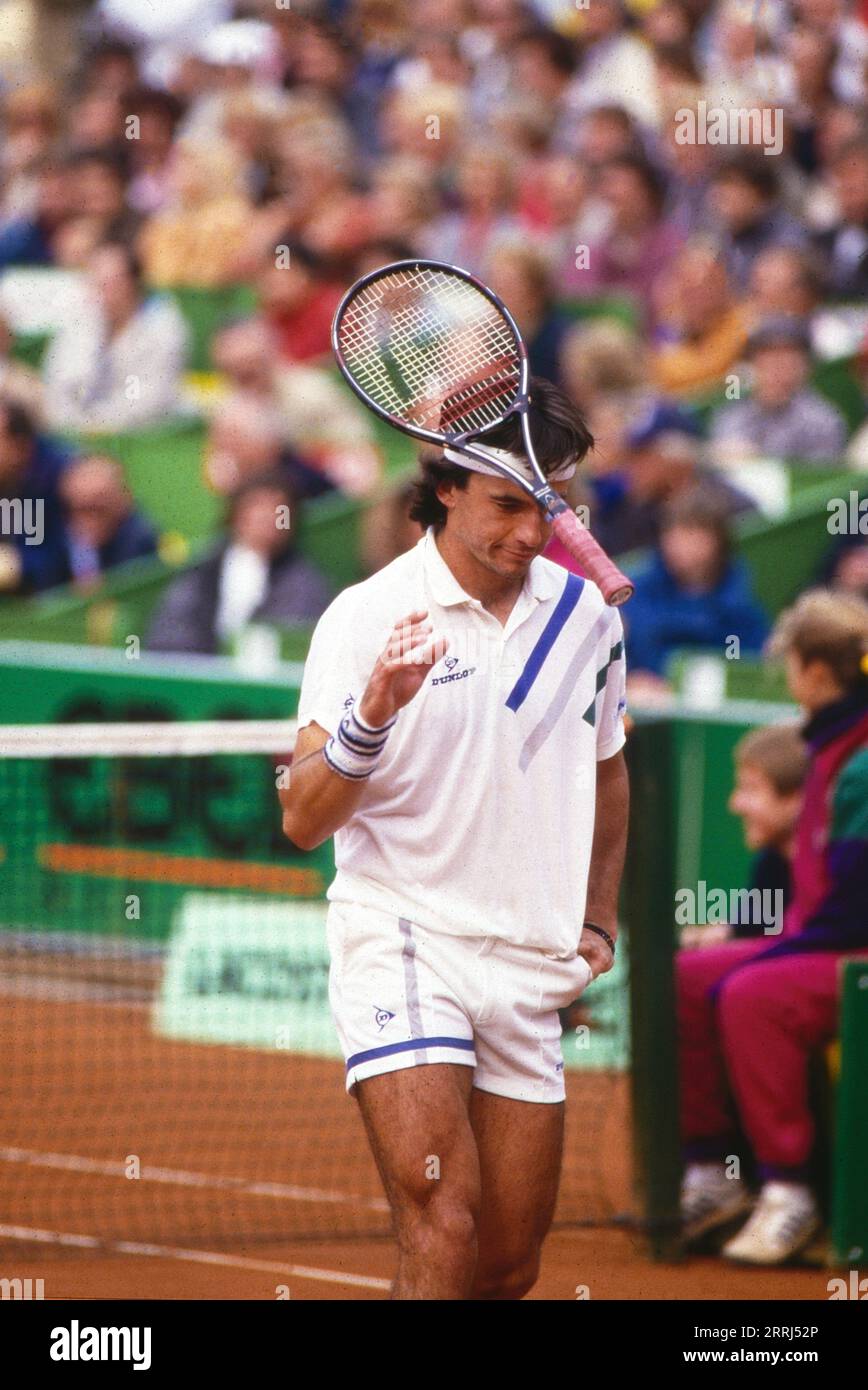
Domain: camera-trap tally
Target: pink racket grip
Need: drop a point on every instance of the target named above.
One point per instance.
(615, 587)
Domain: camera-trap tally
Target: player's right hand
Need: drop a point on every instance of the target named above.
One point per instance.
(401, 669)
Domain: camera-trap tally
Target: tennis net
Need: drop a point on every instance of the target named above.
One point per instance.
(171, 1071)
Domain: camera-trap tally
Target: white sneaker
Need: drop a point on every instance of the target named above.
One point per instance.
(784, 1221)
(710, 1199)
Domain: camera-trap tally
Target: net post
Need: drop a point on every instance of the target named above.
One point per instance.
(649, 896)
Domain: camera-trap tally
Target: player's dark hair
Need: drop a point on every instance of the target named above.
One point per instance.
(558, 431)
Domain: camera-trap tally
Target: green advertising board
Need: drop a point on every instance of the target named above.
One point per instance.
(101, 845)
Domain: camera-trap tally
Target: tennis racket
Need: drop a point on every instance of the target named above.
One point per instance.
(434, 352)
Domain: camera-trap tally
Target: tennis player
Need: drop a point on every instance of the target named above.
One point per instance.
(460, 735)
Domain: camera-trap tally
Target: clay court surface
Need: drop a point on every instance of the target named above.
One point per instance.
(254, 1174)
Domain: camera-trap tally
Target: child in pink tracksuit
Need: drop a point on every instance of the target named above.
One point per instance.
(751, 1011)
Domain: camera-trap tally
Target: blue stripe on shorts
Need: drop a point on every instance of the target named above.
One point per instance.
(410, 1045)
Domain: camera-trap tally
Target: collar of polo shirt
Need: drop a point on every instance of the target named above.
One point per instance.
(540, 584)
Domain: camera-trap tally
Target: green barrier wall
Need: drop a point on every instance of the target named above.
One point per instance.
(680, 833)
(180, 823)
(850, 1162)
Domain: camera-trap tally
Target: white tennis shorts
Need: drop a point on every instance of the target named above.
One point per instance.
(403, 996)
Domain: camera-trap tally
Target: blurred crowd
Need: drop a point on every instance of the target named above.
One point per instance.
(671, 197)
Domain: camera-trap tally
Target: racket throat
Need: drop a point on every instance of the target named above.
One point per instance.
(551, 502)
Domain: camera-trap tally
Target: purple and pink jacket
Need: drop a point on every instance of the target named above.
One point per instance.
(829, 906)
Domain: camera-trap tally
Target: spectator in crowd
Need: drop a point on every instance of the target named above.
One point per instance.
(771, 764)
(613, 62)
(703, 330)
(388, 529)
(784, 280)
(520, 273)
(694, 594)
(298, 299)
(158, 114)
(560, 203)
(28, 238)
(845, 567)
(19, 383)
(255, 575)
(783, 418)
(844, 245)
(321, 419)
(605, 361)
(30, 118)
(193, 240)
(32, 539)
(742, 67)
(316, 200)
(543, 64)
(98, 191)
(246, 438)
(745, 199)
(843, 27)
(751, 1013)
(486, 190)
(111, 63)
(662, 464)
(103, 527)
(118, 364)
(408, 128)
(811, 56)
(96, 119)
(638, 245)
(689, 166)
(402, 200)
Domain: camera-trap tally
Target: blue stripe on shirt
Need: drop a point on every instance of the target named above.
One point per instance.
(566, 603)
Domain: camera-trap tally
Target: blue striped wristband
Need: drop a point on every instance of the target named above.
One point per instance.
(356, 748)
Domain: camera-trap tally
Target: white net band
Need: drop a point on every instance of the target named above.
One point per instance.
(200, 738)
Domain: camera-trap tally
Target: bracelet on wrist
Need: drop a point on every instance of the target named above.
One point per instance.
(354, 751)
(600, 931)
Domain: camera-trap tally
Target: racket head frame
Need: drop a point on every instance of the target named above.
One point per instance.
(460, 441)
(451, 438)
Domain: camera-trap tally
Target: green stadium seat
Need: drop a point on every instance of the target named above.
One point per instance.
(837, 381)
(120, 607)
(163, 467)
(206, 311)
(619, 307)
(30, 348)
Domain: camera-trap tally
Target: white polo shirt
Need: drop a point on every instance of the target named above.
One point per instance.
(479, 818)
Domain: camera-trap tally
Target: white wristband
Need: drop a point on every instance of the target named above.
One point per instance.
(356, 748)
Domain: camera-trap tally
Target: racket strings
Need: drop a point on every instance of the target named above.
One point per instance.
(430, 350)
